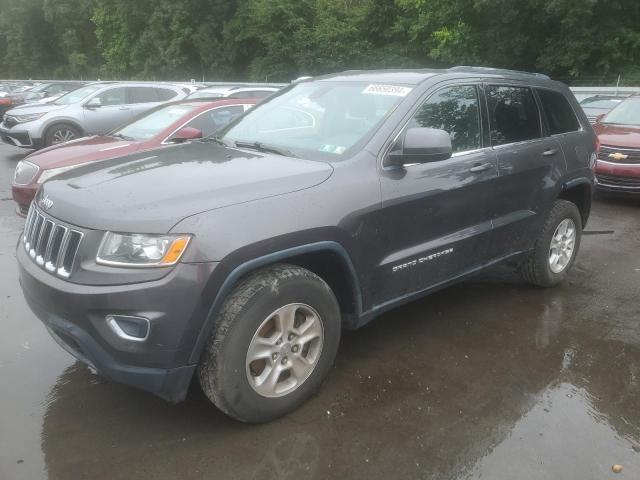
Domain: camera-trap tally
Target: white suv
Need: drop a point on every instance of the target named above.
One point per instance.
(96, 108)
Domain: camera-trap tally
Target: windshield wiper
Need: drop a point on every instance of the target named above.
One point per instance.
(121, 136)
(215, 139)
(263, 147)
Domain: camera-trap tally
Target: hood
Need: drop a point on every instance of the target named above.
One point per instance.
(151, 191)
(34, 108)
(82, 150)
(624, 136)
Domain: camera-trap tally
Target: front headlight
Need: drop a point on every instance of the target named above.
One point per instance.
(25, 173)
(138, 250)
(28, 117)
(47, 174)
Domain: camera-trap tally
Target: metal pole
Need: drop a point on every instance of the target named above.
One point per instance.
(618, 85)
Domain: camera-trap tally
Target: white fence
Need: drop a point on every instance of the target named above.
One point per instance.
(584, 92)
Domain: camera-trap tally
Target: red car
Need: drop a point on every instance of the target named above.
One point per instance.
(618, 165)
(167, 124)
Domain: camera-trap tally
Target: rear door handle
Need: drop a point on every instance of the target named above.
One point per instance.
(549, 152)
(124, 108)
(481, 167)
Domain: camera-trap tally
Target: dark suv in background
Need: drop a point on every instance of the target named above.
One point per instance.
(241, 257)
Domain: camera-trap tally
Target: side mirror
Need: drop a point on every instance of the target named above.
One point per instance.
(600, 117)
(185, 134)
(422, 145)
(94, 102)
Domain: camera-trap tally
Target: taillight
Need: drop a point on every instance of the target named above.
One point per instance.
(597, 145)
(5, 101)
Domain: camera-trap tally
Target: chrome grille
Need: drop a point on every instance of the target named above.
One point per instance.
(633, 154)
(50, 244)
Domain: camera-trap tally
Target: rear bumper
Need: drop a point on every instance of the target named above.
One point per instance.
(75, 315)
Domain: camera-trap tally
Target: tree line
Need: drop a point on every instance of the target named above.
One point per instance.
(278, 40)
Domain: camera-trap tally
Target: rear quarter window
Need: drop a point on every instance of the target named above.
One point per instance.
(165, 94)
(560, 116)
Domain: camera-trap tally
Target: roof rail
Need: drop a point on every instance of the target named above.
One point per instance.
(466, 68)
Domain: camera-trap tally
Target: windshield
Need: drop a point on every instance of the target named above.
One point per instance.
(317, 120)
(156, 121)
(77, 95)
(626, 113)
(596, 102)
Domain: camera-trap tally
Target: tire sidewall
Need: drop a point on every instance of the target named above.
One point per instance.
(566, 210)
(236, 390)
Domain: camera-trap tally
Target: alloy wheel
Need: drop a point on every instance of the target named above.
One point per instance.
(284, 350)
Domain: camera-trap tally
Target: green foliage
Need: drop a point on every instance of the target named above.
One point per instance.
(277, 40)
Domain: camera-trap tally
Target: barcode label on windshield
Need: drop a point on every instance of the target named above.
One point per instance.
(394, 90)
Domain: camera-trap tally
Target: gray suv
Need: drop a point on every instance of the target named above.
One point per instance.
(239, 259)
(96, 108)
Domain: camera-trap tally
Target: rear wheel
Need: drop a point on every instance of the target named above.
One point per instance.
(60, 133)
(275, 340)
(556, 248)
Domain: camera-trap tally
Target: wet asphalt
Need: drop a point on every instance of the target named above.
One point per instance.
(489, 379)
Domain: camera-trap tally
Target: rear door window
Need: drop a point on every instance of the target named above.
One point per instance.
(513, 114)
(560, 115)
(165, 94)
(142, 95)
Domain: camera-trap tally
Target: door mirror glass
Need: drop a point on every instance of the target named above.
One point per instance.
(186, 133)
(422, 145)
(95, 102)
(600, 117)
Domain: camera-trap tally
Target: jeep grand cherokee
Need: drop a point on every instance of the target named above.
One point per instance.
(239, 259)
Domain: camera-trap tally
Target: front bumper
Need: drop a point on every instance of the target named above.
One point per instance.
(618, 177)
(75, 315)
(19, 138)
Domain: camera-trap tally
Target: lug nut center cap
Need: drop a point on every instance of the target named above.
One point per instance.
(285, 349)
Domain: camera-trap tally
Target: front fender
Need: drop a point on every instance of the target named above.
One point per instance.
(236, 272)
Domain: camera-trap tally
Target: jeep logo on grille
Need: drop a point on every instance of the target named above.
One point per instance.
(46, 203)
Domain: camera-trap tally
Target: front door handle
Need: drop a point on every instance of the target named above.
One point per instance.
(549, 152)
(481, 167)
(124, 108)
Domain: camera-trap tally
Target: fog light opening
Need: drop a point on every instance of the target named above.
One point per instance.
(134, 329)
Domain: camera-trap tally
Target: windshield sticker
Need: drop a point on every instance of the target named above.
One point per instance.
(332, 149)
(393, 90)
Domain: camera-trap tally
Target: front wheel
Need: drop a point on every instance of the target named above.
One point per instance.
(61, 133)
(555, 250)
(274, 342)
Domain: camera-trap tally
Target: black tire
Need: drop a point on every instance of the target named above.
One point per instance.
(535, 269)
(222, 371)
(59, 130)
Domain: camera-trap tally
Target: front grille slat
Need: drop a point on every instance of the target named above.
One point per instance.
(52, 245)
(35, 235)
(68, 256)
(27, 224)
(43, 241)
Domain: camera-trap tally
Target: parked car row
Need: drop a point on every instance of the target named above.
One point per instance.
(96, 108)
